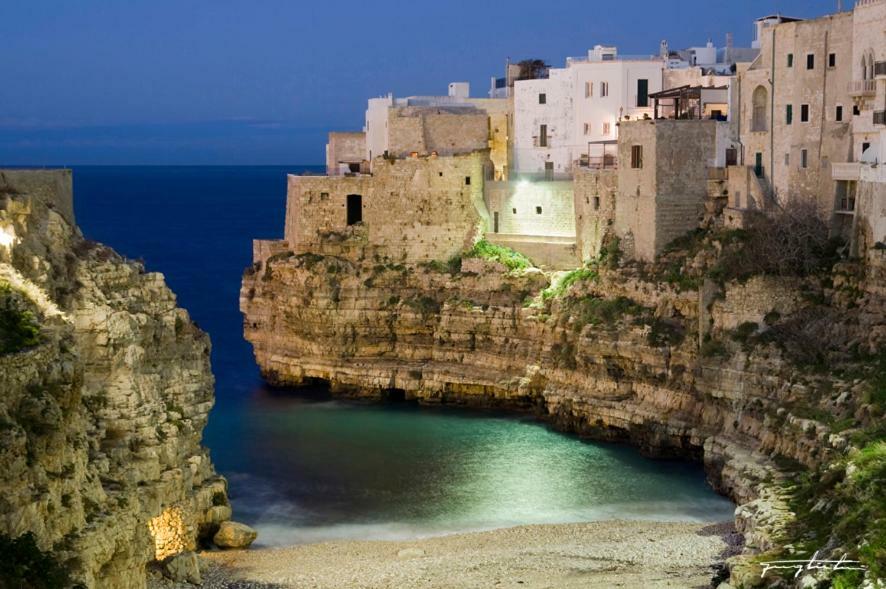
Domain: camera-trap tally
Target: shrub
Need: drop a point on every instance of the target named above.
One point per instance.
(567, 280)
(591, 310)
(23, 564)
(665, 333)
(711, 348)
(18, 328)
(497, 253)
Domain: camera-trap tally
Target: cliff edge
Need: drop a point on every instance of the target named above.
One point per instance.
(106, 387)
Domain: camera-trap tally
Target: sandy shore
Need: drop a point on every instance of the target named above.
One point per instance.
(627, 554)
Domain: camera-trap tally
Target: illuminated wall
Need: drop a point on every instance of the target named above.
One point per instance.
(531, 208)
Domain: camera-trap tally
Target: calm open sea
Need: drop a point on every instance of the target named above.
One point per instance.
(303, 467)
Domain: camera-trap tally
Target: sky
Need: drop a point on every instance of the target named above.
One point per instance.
(261, 82)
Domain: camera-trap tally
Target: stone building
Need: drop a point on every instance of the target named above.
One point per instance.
(663, 180)
(408, 210)
(346, 153)
(796, 105)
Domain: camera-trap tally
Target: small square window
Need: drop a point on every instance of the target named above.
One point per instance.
(441, 174)
(804, 113)
(838, 115)
(790, 60)
(324, 195)
(537, 210)
(514, 211)
(810, 61)
(832, 60)
(467, 180)
(542, 98)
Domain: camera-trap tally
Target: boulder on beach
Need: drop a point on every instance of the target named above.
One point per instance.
(234, 535)
(183, 568)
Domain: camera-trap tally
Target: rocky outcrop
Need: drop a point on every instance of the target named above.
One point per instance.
(618, 355)
(101, 417)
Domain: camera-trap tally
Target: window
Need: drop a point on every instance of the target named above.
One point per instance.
(514, 211)
(760, 98)
(604, 88)
(642, 93)
(832, 60)
(549, 171)
(789, 114)
(804, 158)
(790, 60)
(838, 115)
(787, 159)
(589, 89)
(354, 209)
(587, 128)
(467, 180)
(324, 196)
(855, 110)
(542, 98)
(543, 136)
(606, 128)
(537, 210)
(810, 61)
(804, 113)
(636, 156)
(596, 203)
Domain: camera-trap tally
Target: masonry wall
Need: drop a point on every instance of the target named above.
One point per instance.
(349, 147)
(595, 197)
(822, 88)
(414, 209)
(445, 130)
(532, 208)
(635, 204)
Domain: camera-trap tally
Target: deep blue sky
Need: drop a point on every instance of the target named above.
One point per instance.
(260, 82)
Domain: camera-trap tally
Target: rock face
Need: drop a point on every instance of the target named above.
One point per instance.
(234, 535)
(619, 357)
(100, 453)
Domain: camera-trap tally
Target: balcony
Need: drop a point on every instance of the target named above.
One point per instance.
(880, 117)
(862, 88)
(845, 171)
(880, 69)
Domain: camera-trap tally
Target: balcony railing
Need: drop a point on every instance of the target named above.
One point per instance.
(862, 87)
(880, 117)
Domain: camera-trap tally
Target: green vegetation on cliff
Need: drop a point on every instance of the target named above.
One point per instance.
(18, 328)
(497, 253)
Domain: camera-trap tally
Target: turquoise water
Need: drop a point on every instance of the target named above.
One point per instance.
(304, 468)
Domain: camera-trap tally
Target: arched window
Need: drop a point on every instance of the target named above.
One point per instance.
(870, 65)
(864, 67)
(758, 122)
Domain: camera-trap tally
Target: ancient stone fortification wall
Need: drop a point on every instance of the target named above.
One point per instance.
(595, 194)
(870, 215)
(413, 209)
(102, 419)
(446, 131)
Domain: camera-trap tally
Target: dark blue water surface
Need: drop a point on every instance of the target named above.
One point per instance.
(303, 467)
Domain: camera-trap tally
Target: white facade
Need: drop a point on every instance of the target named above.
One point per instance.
(582, 105)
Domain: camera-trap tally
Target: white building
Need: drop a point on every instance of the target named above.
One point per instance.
(569, 116)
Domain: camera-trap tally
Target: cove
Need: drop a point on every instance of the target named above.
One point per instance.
(305, 468)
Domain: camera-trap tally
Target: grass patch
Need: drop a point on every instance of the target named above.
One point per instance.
(566, 282)
(591, 310)
(497, 253)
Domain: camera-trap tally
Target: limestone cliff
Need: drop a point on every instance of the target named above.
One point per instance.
(103, 401)
(616, 352)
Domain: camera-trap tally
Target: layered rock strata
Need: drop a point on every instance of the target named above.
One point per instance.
(102, 416)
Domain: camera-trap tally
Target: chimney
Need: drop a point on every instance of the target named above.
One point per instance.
(663, 49)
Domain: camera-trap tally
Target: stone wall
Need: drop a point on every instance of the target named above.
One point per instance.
(426, 208)
(444, 130)
(528, 208)
(664, 198)
(752, 300)
(102, 419)
(595, 196)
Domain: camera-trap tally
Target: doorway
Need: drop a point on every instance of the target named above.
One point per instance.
(355, 209)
